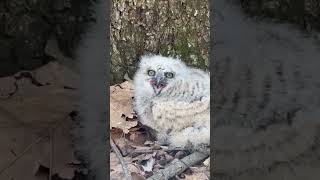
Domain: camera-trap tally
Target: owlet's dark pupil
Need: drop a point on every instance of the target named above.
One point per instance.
(151, 72)
(169, 75)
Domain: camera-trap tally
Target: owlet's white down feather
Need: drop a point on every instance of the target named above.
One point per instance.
(174, 100)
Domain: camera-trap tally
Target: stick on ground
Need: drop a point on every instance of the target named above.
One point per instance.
(125, 169)
(178, 166)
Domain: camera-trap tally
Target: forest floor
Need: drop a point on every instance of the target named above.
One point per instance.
(35, 124)
(141, 155)
(35, 130)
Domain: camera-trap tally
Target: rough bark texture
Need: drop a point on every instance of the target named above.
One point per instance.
(137, 27)
(266, 98)
(26, 26)
(149, 26)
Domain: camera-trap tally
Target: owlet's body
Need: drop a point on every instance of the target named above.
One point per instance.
(174, 100)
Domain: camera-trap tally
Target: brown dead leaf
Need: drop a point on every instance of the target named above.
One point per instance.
(63, 152)
(55, 73)
(136, 176)
(201, 173)
(142, 157)
(116, 133)
(7, 87)
(31, 103)
(121, 106)
(134, 169)
(137, 137)
(116, 172)
(113, 160)
(26, 116)
(198, 176)
(123, 145)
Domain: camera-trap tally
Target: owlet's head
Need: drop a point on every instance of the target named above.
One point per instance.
(157, 73)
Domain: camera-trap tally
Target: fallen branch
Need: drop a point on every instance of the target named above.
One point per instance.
(151, 150)
(38, 140)
(51, 153)
(125, 169)
(178, 166)
(23, 153)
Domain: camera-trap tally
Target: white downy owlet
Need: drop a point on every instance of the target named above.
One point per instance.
(174, 100)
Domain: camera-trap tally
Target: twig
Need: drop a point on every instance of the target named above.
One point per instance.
(178, 166)
(51, 153)
(125, 169)
(143, 151)
(23, 152)
(30, 146)
(166, 148)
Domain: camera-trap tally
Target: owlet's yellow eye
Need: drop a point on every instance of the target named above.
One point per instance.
(169, 75)
(151, 73)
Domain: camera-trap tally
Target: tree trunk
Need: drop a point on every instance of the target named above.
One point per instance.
(166, 27)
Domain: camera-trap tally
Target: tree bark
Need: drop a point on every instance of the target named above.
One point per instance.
(167, 27)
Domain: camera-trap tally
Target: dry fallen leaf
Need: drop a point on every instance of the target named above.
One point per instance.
(142, 157)
(123, 145)
(38, 100)
(136, 176)
(116, 171)
(121, 106)
(137, 137)
(200, 173)
(7, 87)
(58, 74)
(115, 167)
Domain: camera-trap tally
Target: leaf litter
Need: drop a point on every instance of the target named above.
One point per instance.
(121, 107)
(32, 103)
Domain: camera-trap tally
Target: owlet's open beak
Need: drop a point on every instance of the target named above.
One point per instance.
(158, 83)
